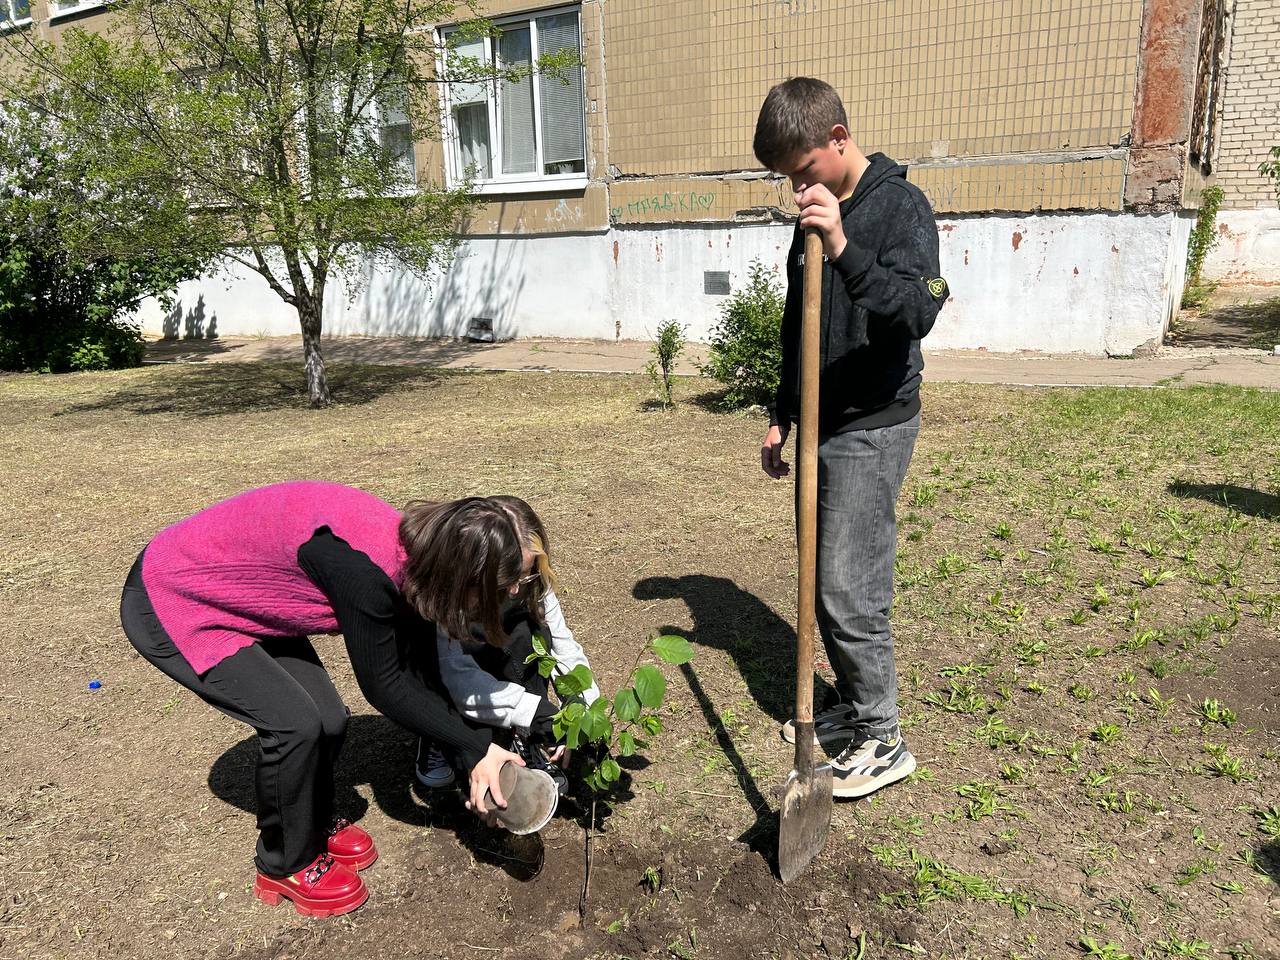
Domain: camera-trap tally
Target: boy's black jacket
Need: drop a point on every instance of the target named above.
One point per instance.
(879, 298)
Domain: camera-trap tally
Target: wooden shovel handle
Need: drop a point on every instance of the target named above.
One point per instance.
(807, 498)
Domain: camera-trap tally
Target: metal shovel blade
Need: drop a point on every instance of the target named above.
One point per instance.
(805, 821)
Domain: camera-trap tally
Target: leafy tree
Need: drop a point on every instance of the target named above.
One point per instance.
(608, 726)
(289, 126)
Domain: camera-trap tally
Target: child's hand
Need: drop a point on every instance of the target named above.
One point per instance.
(771, 452)
(560, 755)
(485, 777)
(820, 210)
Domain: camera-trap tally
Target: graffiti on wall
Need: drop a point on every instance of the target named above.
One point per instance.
(664, 206)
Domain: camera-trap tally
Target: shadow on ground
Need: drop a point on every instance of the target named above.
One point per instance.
(1255, 503)
(1229, 321)
(380, 754)
(228, 389)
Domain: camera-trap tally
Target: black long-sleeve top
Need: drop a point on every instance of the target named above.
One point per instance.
(392, 649)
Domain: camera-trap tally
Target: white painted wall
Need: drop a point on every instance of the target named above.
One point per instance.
(1063, 283)
(1248, 249)
(1094, 283)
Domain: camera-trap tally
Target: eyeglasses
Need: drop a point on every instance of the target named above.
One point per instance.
(531, 578)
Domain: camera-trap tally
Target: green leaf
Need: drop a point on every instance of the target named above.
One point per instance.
(650, 686)
(595, 721)
(626, 705)
(626, 743)
(574, 735)
(575, 681)
(651, 725)
(672, 649)
(609, 770)
(566, 718)
(539, 646)
(546, 667)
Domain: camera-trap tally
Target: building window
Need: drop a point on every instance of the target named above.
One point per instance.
(14, 12)
(527, 132)
(395, 134)
(380, 132)
(60, 8)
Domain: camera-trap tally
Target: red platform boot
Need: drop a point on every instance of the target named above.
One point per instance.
(350, 845)
(324, 888)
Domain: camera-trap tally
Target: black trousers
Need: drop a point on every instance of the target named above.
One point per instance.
(279, 687)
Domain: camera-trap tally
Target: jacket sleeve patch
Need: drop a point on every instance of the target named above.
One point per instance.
(937, 288)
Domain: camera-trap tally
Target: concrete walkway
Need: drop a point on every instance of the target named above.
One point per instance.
(1168, 366)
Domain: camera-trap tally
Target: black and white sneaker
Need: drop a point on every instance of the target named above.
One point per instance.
(535, 758)
(866, 766)
(834, 723)
(431, 768)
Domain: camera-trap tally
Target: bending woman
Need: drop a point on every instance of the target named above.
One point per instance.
(223, 601)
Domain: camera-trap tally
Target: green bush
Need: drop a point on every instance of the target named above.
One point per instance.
(746, 344)
(57, 315)
(73, 263)
(666, 350)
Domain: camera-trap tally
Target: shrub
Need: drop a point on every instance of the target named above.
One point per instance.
(746, 344)
(667, 347)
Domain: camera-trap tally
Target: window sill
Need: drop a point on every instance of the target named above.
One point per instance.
(81, 8)
(540, 185)
(15, 25)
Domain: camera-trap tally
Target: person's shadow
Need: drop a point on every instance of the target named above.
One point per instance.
(762, 646)
(380, 753)
(761, 643)
(1255, 503)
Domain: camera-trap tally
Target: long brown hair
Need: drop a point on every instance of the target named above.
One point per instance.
(534, 536)
(461, 558)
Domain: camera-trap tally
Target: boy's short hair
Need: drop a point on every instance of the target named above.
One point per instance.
(797, 114)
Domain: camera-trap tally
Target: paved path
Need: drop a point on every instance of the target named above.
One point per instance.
(1169, 366)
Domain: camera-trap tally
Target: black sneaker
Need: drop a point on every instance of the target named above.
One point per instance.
(431, 768)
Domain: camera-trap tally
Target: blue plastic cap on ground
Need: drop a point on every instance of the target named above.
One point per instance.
(94, 684)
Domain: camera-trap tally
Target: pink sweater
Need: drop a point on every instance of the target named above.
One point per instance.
(229, 575)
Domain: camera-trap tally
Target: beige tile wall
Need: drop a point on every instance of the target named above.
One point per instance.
(920, 78)
(673, 88)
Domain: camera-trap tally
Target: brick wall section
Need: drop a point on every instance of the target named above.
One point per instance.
(1250, 105)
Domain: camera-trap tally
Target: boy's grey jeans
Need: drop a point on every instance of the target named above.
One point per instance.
(859, 476)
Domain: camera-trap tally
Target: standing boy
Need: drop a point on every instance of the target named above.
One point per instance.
(881, 291)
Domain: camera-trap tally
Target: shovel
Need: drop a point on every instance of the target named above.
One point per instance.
(806, 796)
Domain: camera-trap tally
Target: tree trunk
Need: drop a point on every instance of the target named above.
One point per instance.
(310, 317)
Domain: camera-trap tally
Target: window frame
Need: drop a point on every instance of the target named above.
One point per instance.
(375, 113)
(500, 183)
(57, 14)
(11, 22)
